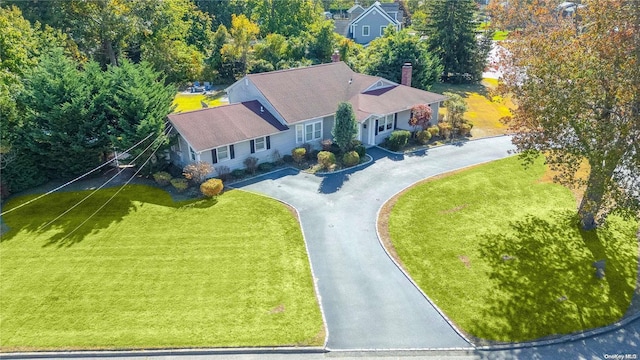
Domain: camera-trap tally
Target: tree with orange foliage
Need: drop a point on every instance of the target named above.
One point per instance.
(576, 83)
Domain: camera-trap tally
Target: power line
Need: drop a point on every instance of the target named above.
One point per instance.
(103, 185)
(76, 179)
(117, 192)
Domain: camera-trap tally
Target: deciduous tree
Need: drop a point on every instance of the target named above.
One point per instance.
(420, 116)
(577, 89)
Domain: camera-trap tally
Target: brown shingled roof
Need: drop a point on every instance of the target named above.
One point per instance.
(210, 128)
(311, 92)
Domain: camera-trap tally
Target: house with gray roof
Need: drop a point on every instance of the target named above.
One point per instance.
(365, 25)
(282, 110)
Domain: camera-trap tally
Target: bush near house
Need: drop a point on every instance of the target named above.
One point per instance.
(224, 173)
(238, 173)
(180, 184)
(211, 187)
(197, 171)
(351, 159)
(266, 166)
(423, 136)
(251, 164)
(162, 178)
(434, 130)
(398, 139)
(326, 159)
(298, 154)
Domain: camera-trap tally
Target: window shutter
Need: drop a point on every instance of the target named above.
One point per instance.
(376, 126)
(214, 156)
(395, 120)
(268, 142)
(252, 144)
(232, 153)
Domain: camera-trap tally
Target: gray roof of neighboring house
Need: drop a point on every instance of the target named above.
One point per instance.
(315, 91)
(209, 128)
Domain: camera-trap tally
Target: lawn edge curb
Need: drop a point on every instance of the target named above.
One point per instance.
(455, 143)
(161, 352)
(306, 248)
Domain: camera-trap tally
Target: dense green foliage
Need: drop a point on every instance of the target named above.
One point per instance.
(398, 139)
(233, 273)
(350, 158)
(506, 259)
(385, 56)
(345, 128)
(450, 29)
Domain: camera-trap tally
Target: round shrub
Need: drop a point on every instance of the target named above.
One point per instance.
(434, 131)
(211, 187)
(288, 159)
(424, 136)
(180, 184)
(162, 178)
(266, 166)
(445, 129)
(298, 154)
(465, 129)
(326, 159)
(350, 159)
(361, 150)
(398, 139)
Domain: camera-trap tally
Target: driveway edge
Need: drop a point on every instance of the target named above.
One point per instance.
(313, 273)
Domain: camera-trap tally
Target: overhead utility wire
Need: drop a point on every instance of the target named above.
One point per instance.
(76, 179)
(101, 186)
(116, 193)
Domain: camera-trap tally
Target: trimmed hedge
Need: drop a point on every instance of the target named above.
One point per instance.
(326, 159)
(398, 139)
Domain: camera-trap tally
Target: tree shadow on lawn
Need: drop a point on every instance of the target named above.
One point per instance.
(74, 226)
(544, 280)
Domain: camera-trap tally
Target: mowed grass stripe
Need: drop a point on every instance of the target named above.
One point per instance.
(147, 272)
(501, 254)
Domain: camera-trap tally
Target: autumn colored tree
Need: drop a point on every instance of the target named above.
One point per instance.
(456, 107)
(236, 53)
(576, 84)
(420, 116)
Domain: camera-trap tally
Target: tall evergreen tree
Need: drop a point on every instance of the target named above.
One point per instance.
(450, 29)
(346, 127)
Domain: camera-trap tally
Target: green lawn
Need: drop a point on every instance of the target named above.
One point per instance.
(484, 110)
(190, 102)
(499, 251)
(148, 273)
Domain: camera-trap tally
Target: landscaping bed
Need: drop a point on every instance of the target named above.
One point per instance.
(498, 249)
(148, 272)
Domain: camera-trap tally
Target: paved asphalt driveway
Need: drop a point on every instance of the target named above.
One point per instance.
(368, 302)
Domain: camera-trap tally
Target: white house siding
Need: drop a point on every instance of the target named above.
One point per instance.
(403, 120)
(245, 90)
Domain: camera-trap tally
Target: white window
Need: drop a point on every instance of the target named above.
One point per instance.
(192, 154)
(365, 30)
(385, 123)
(260, 144)
(223, 153)
(299, 134)
(309, 132)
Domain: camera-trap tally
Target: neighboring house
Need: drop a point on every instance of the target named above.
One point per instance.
(282, 110)
(365, 25)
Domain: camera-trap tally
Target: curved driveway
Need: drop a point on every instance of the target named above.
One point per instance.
(368, 302)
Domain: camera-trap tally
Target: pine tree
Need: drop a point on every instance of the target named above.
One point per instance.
(451, 37)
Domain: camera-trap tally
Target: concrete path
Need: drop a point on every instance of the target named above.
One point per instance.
(367, 300)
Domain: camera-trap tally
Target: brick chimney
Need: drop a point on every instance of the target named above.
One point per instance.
(406, 74)
(335, 57)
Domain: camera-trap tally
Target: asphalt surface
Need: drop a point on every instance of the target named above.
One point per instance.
(368, 302)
